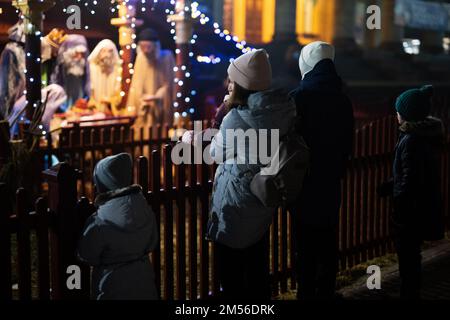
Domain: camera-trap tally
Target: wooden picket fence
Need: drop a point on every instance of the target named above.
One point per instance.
(40, 240)
(83, 145)
(185, 262)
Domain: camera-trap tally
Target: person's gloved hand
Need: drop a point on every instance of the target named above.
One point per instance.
(191, 137)
(220, 114)
(188, 137)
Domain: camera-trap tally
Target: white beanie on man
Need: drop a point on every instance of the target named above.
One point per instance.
(252, 71)
(312, 54)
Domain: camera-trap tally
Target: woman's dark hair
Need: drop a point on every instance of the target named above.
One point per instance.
(238, 97)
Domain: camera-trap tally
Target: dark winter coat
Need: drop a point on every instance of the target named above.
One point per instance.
(416, 183)
(117, 241)
(325, 120)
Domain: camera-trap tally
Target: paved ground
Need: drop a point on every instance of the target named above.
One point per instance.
(436, 278)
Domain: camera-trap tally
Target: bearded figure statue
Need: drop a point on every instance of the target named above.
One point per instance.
(105, 72)
(72, 70)
(152, 92)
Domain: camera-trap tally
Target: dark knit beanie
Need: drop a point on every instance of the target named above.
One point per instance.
(415, 104)
(148, 35)
(113, 172)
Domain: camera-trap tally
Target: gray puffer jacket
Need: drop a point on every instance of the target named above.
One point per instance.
(238, 219)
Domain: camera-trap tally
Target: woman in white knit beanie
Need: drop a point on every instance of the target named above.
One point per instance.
(326, 121)
(239, 223)
(312, 54)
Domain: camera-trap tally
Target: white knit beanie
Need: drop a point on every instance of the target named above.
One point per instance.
(313, 53)
(252, 70)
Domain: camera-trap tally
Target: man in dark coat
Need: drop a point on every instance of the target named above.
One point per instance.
(325, 120)
(417, 214)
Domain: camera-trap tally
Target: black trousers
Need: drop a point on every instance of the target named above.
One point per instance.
(244, 273)
(316, 262)
(408, 246)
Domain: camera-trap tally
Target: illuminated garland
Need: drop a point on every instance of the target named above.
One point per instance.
(196, 14)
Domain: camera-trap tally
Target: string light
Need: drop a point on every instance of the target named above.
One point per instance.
(197, 15)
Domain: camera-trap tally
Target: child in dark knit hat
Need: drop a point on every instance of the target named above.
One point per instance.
(118, 238)
(417, 214)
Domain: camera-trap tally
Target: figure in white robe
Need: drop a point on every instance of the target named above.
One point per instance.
(105, 73)
(152, 92)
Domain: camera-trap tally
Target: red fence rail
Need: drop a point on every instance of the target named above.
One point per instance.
(179, 195)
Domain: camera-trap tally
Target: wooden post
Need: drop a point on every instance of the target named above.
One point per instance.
(5, 149)
(5, 246)
(84, 210)
(283, 251)
(23, 246)
(183, 31)
(204, 244)
(275, 254)
(156, 206)
(41, 210)
(32, 10)
(193, 218)
(62, 202)
(181, 232)
(142, 173)
(126, 22)
(168, 225)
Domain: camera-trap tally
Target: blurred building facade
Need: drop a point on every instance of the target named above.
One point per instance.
(338, 21)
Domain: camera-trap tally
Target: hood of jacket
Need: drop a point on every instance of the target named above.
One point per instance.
(113, 172)
(125, 208)
(429, 127)
(322, 78)
(271, 109)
